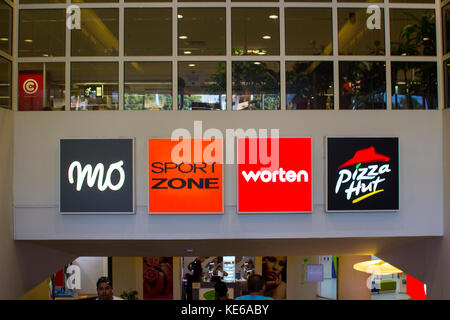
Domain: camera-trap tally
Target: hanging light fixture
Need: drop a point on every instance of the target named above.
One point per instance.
(376, 267)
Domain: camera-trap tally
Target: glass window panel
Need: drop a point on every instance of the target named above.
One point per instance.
(254, 32)
(447, 83)
(411, 1)
(5, 27)
(41, 1)
(98, 35)
(256, 85)
(201, 0)
(307, 1)
(148, 86)
(5, 83)
(309, 31)
(201, 31)
(93, 1)
(147, 1)
(202, 85)
(309, 85)
(414, 85)
(355, 36)
(42, 33)
(446, 28)
(413, 32)
(360, 1)
(94, 86)
(362, 85)
(254, 0)
(41, 86)
(148, 32)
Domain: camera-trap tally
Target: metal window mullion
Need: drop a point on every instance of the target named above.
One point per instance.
(67, 65)
(282, 29)
(121, 55)
(440, 60)
(174, 56)
(15, 54)
(335, 31)
(387, 49)
(229, 52)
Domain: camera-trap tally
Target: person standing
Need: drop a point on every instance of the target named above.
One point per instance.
(255, 287)
(105, 290)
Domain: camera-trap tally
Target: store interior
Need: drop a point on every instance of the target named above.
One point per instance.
(170, 278)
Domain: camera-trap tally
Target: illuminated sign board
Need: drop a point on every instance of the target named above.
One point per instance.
(93, 91)
(362, 174)
(185, 176)
(274, 175)
(229, 266)
(97, 176)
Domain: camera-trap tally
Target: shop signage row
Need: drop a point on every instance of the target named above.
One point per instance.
(97, 175)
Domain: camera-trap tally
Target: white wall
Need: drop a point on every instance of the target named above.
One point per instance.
(36, 157)
(429, 260)
(91, 269)
(23, 265)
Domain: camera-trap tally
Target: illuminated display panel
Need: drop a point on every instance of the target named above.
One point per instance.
(190, 183)
(362, 174)
(271, 184)
(97, 176)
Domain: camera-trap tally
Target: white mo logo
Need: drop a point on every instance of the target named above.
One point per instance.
(91, 175)
(30, 86)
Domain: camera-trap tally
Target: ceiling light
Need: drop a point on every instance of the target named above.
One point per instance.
(28, 40)
(404, 54)
(191, 65)
(267, 37)
(3, 39)
(183, 37)
(187, 52)
(257, 62)
(180, 16)
(273, 16)
(45, 55)
(426, 39)
(376, 267)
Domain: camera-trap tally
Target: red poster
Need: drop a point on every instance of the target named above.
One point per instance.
(275, 175)
(158, 278)
(415, 288)
(31, 91)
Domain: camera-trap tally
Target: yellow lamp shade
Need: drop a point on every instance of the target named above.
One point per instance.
(376, 267)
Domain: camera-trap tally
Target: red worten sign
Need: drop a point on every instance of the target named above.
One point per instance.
(282, 185)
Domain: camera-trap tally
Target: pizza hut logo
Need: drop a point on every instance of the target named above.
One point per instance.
(361, 177)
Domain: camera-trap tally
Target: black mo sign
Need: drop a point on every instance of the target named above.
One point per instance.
(97, 176)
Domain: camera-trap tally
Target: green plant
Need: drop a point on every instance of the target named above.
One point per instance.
(129, 295)
(418, 38)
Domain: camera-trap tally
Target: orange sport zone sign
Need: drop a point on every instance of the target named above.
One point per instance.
(185, 176)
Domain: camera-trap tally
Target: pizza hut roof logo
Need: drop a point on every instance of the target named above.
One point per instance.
(365, 156)
(364, 181)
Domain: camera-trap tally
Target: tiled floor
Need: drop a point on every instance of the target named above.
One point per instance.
(390, 296)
